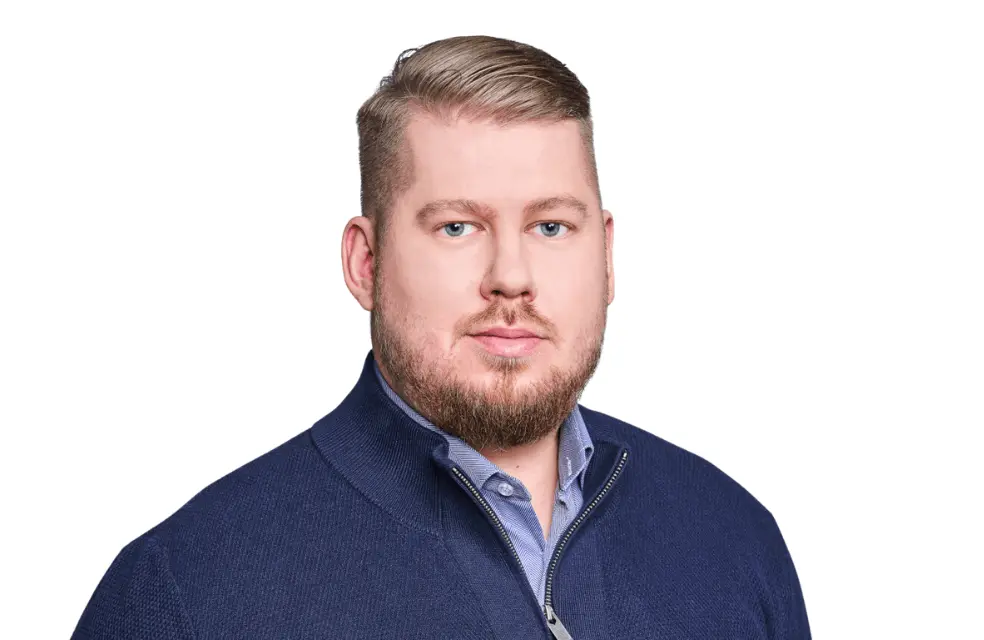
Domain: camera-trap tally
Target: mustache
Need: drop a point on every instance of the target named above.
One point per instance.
(524, 313)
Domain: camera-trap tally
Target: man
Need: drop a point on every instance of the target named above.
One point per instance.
(460, 491)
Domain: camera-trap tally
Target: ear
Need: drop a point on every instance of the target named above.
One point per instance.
(609, 221)
(359, 259)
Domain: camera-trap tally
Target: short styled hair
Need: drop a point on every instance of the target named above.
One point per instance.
(477, 77)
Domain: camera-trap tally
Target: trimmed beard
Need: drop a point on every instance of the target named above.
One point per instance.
(502, 416)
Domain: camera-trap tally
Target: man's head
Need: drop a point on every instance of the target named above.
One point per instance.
(483, 254)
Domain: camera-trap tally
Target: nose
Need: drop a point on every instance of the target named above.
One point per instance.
(509, 274)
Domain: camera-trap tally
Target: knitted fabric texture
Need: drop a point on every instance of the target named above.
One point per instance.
(359, 527)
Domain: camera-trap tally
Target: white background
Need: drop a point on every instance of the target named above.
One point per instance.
(798, 193)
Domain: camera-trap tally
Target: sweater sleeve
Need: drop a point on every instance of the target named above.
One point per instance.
(787, 617)
(137, 598)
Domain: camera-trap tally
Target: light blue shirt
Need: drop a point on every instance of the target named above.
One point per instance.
(510, 499)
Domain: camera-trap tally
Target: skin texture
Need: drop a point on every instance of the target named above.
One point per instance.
(509, 257)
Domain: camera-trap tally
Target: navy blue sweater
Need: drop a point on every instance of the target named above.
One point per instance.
(361, 527)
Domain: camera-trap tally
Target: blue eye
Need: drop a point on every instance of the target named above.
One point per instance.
(456, 229)
(553, 229)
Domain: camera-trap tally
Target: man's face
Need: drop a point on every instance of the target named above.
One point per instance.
(491, 290)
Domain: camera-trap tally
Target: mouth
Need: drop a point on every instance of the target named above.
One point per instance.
(506, 342)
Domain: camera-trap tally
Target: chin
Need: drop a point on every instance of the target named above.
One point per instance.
(518, 372)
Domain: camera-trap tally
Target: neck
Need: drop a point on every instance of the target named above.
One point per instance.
(534, 464)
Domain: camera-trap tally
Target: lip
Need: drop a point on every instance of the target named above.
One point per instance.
(508, 342)
(506, 332)
(508, 347)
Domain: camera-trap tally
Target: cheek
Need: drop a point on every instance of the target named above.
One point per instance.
(435, 293)
(574, 278)
(571, 293)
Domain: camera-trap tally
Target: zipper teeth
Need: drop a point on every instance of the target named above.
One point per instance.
(488, 509)
(548, 594)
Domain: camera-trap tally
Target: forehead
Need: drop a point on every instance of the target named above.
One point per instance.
(498, 164)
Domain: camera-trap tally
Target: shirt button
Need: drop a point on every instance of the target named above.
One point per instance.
(505, 489)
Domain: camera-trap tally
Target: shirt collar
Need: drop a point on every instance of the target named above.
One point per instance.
(574, 448)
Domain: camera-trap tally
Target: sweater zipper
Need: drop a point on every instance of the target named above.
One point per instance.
(488, 509)
(556, 627)
(553, 623)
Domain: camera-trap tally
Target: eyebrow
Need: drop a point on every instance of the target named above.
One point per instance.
(555, 202)
(472, 207)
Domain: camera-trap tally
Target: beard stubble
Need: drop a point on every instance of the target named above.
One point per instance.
(498, 417)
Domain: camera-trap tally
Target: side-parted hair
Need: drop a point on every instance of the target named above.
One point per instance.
(476, 77)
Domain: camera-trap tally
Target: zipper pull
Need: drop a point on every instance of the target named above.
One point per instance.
(556, 626)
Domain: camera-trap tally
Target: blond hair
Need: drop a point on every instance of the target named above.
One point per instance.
(478, 77)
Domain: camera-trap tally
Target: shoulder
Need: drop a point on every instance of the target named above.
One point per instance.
(282, 475)
(242, 507)
(160, 579)
(662, 474)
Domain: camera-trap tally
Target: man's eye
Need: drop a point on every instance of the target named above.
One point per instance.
(457, 229)
(553, 229)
